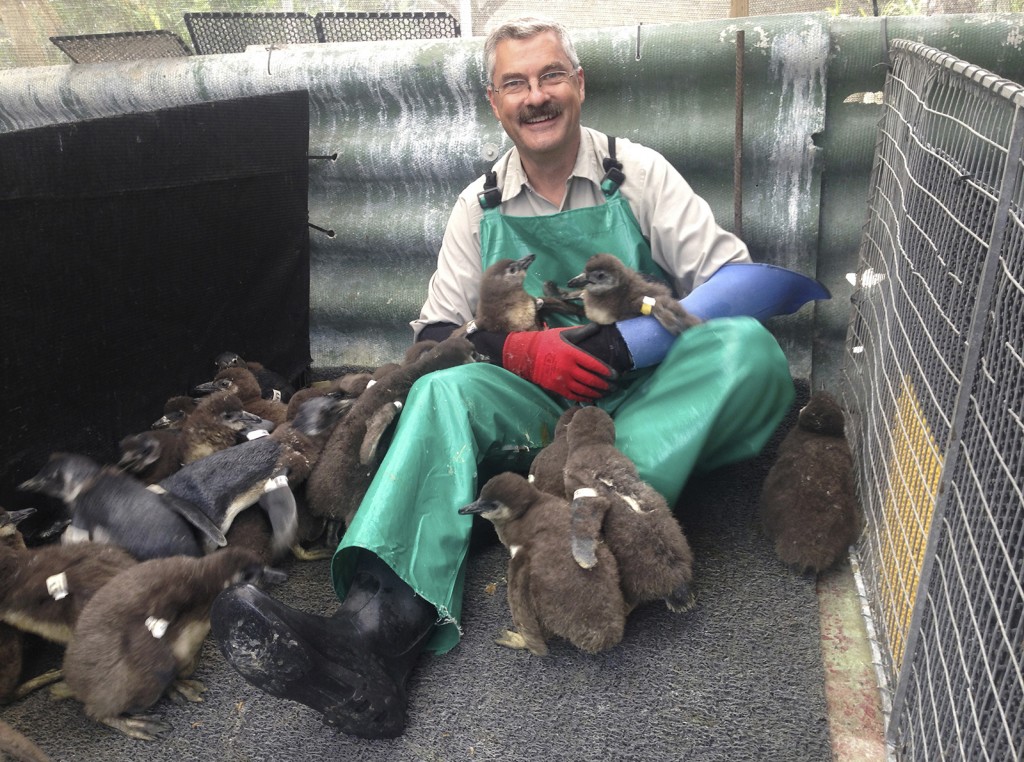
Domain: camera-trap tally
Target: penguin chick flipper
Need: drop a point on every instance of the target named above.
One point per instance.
(194, 516)
(672, 316)
(375, 428)
(141, 727)
(588, 510)
(278, 502)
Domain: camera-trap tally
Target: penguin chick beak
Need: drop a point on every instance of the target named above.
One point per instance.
(524, 262)
(578, 281)
(479, 506)
(16, 517)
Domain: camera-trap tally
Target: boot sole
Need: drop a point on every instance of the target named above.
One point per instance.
(348, 686)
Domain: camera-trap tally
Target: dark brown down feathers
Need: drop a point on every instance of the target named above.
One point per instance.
(549, 594)
(611, 503)
(808, 504)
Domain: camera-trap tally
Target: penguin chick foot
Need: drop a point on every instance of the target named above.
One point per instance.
(312, 554)
(60, 691)
(313, 660)
(30, 686)
(682, 599)
(187, 690)
(141, 727)
(513, 639)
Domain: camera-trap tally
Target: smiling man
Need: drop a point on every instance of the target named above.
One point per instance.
(562, 193)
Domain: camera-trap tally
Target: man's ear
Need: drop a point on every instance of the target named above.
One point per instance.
(583, 86)
(491, 95)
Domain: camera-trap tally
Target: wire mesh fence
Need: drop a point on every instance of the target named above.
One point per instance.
(934, 382)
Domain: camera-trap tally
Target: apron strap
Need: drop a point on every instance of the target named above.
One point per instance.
(613, 176)
(490, 197)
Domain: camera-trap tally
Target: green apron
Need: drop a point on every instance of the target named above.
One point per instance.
(716, 398)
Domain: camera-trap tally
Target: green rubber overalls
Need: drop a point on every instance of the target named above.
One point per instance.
(716, 398)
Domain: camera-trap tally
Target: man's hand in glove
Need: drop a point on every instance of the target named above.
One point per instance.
(554, 359)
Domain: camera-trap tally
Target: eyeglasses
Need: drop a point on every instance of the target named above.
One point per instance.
(545, 81)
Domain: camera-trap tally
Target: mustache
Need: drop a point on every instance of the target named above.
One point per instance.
(546, 111)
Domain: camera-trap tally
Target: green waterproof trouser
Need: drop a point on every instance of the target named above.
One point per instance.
(716, 398)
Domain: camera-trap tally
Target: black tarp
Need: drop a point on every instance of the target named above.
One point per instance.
(133, 250)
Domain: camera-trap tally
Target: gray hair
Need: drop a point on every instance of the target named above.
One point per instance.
(523, 29)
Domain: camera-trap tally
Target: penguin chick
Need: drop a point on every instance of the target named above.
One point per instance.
(547, 468)
(549, 594)
(346, 386)
(214, 425)
(612, 292)
(808, 503)
(152, 455)
(109, 506)
(17, 747)
(611, 501)
(142, 632)
(349, 459)
(503, 304)
(243, 384)
(218, 421)
(264, 470)
(44, 589)
(176, 410)
(273, 386)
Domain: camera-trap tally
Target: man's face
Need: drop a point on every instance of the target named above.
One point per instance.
(543, 121)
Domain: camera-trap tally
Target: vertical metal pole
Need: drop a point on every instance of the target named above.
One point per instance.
(737, 151)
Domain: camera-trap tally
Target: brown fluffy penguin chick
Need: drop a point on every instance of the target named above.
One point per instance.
(152, 455)
(547, 468)
(612, 292)
(611, 501)
(44, 589)
(549, 594)
(273, 385)
(503, 304)
(243, 384)
(17, 747)
(218, 421)
(349, 460)
(141, 634)
(176, 410)
(808, 504)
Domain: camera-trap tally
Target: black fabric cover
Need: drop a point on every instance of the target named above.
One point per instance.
(135, 249)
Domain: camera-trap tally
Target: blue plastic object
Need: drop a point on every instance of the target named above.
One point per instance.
(743, 288)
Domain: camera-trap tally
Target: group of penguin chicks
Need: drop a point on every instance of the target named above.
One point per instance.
(154, 538)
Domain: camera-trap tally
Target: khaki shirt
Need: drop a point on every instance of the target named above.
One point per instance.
(686, 242)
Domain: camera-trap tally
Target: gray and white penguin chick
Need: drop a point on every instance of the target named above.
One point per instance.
(349, 460)
(141, 634)
(547, 471)
(243, 384)
(109, 506)
(610, 502)
(263, 470)
(808, 503)
(612, 292)
(273, 386)
(549, 594)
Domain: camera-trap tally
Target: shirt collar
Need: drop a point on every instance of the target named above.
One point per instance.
(588, 166)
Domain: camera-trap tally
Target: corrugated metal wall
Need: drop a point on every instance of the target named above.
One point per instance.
(405, 126)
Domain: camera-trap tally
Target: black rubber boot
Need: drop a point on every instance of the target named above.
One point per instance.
(351, 666)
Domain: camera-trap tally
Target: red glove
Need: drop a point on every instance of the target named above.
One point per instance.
(549, 359)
